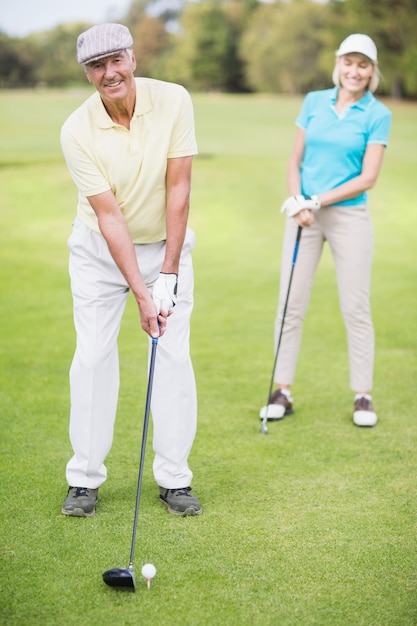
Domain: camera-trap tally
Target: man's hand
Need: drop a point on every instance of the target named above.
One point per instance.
(295, 204)
(154, 325)
(164, 292)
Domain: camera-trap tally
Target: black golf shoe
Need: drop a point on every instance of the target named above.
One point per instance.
(80, 502)
(180, 501)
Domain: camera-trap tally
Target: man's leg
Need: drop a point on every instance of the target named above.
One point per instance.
(99, 297)
(174, 397)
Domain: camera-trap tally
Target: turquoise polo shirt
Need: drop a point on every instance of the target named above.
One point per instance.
(335, 143)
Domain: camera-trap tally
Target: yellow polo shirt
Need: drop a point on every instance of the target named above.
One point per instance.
(102, 155)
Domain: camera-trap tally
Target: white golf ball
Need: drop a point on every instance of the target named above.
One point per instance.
(148, 571)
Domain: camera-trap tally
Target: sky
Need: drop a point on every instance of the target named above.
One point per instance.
(19, 18)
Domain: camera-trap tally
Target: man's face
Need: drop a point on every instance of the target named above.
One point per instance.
(113, 76)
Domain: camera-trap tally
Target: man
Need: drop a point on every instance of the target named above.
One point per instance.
(129, 149)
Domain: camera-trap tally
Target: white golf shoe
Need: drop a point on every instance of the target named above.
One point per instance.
(279, 406)
(363, 413)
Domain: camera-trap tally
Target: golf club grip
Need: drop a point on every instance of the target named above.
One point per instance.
(151, 373)
(297, 245)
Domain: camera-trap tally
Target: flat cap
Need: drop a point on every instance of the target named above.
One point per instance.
(102, 41)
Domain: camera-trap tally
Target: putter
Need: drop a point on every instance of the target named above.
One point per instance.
(264, 428)
(124, 577)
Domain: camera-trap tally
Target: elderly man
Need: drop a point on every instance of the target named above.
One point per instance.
(129, 149)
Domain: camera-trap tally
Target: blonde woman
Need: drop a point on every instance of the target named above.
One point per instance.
(337, 156)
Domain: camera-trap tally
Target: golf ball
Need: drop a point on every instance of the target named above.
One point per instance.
(148, 571)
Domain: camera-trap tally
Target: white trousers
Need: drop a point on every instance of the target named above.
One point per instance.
(99, 296)
(348, 230)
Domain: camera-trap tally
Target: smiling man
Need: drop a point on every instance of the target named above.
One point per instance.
(129, 149)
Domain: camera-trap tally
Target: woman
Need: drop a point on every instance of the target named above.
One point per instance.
(336, 158)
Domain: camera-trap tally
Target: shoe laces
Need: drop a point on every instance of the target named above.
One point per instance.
(277, 397)
(184, 491)
(80, 491)
(363, 404)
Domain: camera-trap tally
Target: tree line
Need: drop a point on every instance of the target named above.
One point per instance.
(233, 45)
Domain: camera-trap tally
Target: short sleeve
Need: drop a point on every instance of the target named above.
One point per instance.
(302, 119)
(183, 140)
(84, 171)
(380, 129)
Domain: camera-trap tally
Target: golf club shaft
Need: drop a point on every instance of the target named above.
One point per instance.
(294, 259)
(142, 452)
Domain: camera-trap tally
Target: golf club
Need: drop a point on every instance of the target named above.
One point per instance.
(124, 577)
(264, 428)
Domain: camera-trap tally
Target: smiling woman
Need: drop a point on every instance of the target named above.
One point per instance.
(337, 156)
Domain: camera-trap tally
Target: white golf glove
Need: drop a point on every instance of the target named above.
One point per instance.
(295, 204)
(164, 292)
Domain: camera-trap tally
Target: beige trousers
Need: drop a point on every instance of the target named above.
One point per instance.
(348, 231)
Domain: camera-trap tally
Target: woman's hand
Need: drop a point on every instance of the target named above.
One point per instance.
(304, 218)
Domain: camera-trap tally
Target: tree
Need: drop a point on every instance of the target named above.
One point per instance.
(284, 48)
(136, 12)
(58, 65)
(234, 45)
(206, 48)
(19, 61)
(150, 40)
(392, 24)
(9, 64)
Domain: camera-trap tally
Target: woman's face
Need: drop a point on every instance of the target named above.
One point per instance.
(355, 72)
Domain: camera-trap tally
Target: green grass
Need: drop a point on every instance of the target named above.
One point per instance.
(314, 524)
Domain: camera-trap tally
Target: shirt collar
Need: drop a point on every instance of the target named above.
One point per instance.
(143, 105)
(366, 99)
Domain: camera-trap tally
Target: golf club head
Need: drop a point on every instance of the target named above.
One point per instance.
(263, 414)
(264, 428)
(120, 578)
